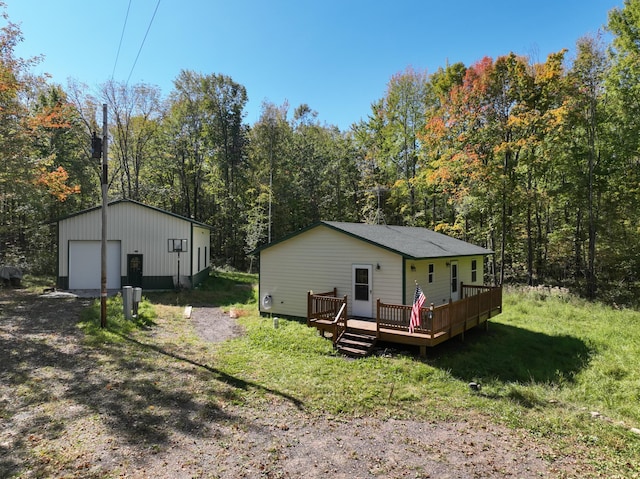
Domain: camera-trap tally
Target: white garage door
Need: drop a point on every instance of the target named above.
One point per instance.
(84, 264)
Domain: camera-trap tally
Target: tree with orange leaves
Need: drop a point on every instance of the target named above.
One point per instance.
(484, 153)
(27, 173)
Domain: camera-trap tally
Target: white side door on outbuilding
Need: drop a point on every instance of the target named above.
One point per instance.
(84, 264)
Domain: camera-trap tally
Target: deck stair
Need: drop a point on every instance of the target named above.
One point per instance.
(354, 344)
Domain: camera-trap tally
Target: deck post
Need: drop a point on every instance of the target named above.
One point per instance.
(430, 318)
(346, 310)
(309, 293)
(490, 302)
(486, 321)
(466, 316)
(378, 318)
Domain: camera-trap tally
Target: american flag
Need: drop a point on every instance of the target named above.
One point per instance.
(418, 301)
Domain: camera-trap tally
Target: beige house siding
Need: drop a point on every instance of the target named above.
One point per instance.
(319, 260)
(439, 291)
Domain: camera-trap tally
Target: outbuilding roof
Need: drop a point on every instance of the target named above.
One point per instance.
(408, 241)
(159, 210)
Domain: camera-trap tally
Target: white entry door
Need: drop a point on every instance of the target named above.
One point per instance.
(362, 303)
(455, 285)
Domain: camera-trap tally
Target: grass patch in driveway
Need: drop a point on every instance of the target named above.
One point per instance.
(117, 324)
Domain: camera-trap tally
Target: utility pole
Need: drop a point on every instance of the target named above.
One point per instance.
(104, 180)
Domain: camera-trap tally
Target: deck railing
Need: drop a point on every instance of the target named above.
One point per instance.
(482, 300)
(322, 305)
(340, 321)
(478, 302)
(396, 316)
(328, 311)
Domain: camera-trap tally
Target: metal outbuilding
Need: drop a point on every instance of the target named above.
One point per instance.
(147, 247)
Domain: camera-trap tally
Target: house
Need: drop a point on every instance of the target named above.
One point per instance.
(365, 263)
(146, 247)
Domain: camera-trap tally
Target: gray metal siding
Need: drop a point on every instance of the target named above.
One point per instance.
(141, 230)
(200, 240)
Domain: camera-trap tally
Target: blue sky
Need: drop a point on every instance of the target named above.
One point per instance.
(336, 56)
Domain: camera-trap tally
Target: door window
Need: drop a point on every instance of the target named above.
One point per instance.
(454, 277)
(362, 284)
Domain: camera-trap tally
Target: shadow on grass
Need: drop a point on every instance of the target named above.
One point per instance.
(228, 379)
(53, 383)
(509, 354)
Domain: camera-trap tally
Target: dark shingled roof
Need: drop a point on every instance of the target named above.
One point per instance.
(409, 241)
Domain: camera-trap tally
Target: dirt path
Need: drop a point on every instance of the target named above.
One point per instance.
(213, 325)
(152, 407)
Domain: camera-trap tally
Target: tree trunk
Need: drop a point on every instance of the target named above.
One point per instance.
(529, 233)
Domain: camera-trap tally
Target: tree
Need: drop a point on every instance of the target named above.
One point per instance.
(375, 178)
(187, 142)
(623, 94)
(269, 147)
(588, 111)
(485, 154)
(26, 177)
(206, 143)
(404, 109)
(136, 112)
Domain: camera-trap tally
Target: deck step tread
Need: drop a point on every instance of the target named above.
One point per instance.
(353, 342)
(356, 344)
(353, 351)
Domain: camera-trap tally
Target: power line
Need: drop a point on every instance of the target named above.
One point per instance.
(143, 40)
(121, 37)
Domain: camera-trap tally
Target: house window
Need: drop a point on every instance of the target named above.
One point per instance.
(205, 256)
(431, 272)
(198, 258)
(474, 270)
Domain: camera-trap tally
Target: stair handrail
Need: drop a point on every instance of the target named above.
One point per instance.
(339, 328)
(337, 318)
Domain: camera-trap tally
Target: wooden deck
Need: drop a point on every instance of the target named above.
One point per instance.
(327, 313)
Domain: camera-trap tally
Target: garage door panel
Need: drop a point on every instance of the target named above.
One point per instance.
(84, 264)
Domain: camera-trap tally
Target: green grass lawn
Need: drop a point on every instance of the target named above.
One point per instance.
(547, 365)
